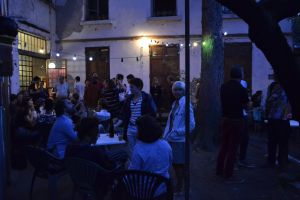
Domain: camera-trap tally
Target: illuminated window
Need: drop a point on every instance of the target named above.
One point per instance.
(25, 71)
(32, 43)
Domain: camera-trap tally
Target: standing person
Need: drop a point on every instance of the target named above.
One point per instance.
(278, 113)
(257, 110)
(121, 87)
(79, 88)
(175, 132)
(62, 132)
(245, 135)
(234, 98)
(129, 78)
(62, 88)
(43, 92)
(137, 104)
(33, 88)
(91, 94)
(156, 92)
(110, 99)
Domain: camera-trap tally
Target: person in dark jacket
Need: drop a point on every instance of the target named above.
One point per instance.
(137, 104)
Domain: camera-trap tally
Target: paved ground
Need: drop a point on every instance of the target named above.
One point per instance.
(261, 184)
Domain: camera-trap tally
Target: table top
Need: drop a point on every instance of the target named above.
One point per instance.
(104, 140)
(293, 123)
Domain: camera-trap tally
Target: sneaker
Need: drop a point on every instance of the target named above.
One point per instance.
(234, 180)
(245, 164)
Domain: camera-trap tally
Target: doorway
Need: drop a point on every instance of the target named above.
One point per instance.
(164, 65)
(238, 54)
(97, 61)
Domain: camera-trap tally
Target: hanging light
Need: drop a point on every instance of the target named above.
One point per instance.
(195, 44)
(225, 33)
(91, 58)
(181, 45)
(167, 45)
(51, 65)
(75, 57)
(122, 60)
(57, 54)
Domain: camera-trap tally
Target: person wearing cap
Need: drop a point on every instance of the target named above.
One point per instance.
(175, 132)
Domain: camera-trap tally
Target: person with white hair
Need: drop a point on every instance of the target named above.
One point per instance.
(175, 132)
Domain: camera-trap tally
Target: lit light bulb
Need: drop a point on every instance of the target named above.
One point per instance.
(51, 65)
(225, 33)
(195, 44)
(74, 57)
(90, 58)
(181, 45)
(203, 43)
(167, 45)
(57, 54)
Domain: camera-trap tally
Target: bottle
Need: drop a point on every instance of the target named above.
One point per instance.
(111, 128)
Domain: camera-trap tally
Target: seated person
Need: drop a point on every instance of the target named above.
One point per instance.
(25, 121)
(151, 153)
(84, 148)
(48, 117)
(62, 132)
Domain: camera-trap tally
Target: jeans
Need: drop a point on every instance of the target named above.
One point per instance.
(131, 137)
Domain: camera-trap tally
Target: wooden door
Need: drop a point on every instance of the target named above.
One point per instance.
(97, 61)
(238, 54)
(164, 65)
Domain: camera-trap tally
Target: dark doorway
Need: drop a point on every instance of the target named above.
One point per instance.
(97, 61)
(164, 65)
(238, 54)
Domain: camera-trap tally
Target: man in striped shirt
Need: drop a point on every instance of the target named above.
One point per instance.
(137, 104)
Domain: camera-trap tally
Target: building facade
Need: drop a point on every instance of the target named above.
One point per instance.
(143, 38)
(36, 38)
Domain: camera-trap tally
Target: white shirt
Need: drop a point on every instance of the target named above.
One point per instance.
(79, 88)
(62, 90)
(245, 85)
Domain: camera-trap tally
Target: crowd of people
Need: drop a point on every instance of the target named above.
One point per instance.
(73, 128)
(236, 104)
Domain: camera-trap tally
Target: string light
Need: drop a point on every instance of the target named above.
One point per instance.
(181, 45)
(75, 57)
(90, 58)
(57, 54)
(122, 60)
(137, 58)
(195, 44)
(225, 33)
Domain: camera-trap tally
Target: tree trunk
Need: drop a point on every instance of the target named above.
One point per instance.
(212, 70)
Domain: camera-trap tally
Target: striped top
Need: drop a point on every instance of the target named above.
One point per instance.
(136, 110)
(110, 98)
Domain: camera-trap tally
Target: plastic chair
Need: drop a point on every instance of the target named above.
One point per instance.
(142, 185)
(46, 166)
(85, 174)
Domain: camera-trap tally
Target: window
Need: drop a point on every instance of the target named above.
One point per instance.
(164, 8)
(31, 43)
(25, 71)
(96, 10)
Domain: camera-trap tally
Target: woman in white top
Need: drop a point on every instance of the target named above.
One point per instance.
(175, 132)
